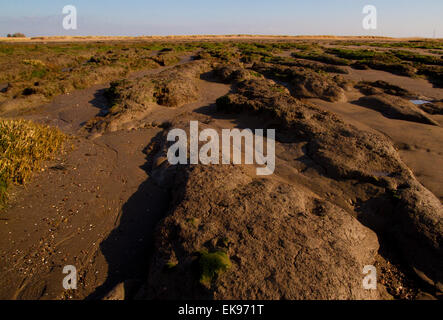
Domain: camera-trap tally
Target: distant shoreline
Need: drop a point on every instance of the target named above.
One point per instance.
(205, 38)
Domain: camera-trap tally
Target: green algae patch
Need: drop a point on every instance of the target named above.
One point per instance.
(212, 265)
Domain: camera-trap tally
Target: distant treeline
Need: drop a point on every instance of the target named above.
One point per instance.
(16, 35)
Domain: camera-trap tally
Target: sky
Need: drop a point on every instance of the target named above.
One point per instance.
(395, 18)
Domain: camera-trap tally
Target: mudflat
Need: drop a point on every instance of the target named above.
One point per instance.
(357, 181)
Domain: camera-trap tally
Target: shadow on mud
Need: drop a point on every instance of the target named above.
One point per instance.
(379, 215)
(101, 102)
(129, 246)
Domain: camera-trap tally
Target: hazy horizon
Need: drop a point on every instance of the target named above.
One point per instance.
(281, 17)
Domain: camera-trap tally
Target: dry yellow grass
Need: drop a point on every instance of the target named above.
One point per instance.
(23, 146)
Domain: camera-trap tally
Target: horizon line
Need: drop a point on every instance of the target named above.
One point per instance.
(212, 36)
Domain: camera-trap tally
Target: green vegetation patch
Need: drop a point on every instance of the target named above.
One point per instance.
(416, 44)
(356, 54)
(53, 69)
(170, 265)
(433, 73)
(321, 57)
(212, 265)
(418, 58)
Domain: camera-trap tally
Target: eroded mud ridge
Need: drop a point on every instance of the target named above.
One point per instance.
(132, 99)
(284, 242)
(350, 188)
(290, 240)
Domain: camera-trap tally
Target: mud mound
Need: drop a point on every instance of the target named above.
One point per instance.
(284, 244)
(261, 95)
(166, 58)
(313, 85)
(131, 99)
(342, 82)
(304, 82)
(401, 69)
(433, 73)
(177, 86)
(228, 73)
(396, 108)
(315, 66)
(432, 108)
(380, 86)
(346, 153)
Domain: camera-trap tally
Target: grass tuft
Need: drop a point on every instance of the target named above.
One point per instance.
(23, 146)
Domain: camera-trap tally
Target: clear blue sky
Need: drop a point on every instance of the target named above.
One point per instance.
(401, 18)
